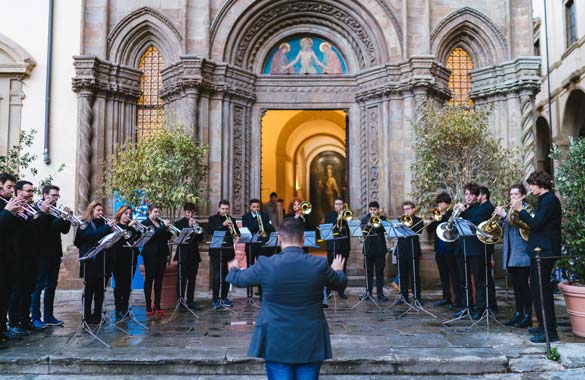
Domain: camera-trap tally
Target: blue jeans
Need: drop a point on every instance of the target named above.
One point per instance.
(286, 371)
(47, 276)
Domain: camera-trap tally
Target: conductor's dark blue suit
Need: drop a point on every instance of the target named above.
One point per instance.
(291, 327)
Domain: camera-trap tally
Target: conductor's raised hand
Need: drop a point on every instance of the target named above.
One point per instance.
(338, 262)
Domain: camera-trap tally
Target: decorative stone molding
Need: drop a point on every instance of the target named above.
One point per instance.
(513, 76)
(97, 76)
(15, 61)
(137, 14)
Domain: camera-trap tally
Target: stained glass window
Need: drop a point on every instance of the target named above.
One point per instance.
(460, 64)
(150, 105)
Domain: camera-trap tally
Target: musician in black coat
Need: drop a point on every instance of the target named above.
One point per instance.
(8, 215)
(24, 245)
(341, 245)
(124, 259)
(375, 251)
(473, 249)
(220, 257)
(188, 256)
(155, 254)
(48, 263)
(488, 207)
(545, 233)
(94, 271)
(406, 247)
(444, 255)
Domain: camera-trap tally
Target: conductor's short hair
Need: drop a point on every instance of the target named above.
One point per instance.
(292, 230)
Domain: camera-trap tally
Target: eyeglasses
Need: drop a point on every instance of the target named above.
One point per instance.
(55, 195)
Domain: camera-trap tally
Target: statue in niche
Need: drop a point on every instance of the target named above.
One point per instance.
(331, 62)
(330, 188)
(307, 58)
(280, 61)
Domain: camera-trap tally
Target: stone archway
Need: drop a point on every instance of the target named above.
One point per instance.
(543, 146)
(574, 115)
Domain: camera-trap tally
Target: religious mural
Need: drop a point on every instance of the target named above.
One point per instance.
(305, 55)
(328, 182)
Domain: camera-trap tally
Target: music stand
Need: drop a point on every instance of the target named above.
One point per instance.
(183, 238)
(401, 231)
(310, 240)
(327, 234)
(272, 241)
(355, 229)
(218, 242)
(250, 241)
(462, 228)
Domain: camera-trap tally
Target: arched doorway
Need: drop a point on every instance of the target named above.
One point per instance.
(543, 146)
(574, 115)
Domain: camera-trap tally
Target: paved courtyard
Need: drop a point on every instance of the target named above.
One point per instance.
(367, 344)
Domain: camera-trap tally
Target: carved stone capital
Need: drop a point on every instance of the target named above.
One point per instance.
(93, 75)
(521, 74)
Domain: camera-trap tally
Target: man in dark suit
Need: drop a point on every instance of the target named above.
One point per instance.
(488, 207)
(252, 220)
(291, 332)
(220, 257)
(341, 245)
(471, 247)
(375, 251)
(545, 233)
(188, 256)
(48, 264)
(405, 249)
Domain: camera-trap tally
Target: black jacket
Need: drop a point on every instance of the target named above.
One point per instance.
(50, 237)
(120, 253)
(545, 226)
(216, 224)
(407, 245)
(250, 221)
(375, 244)
(7, 223)
(342, 243)
(189, 251)
(476, 214)
(158, 245)
(441, 247)
(86, 240)
(24, 241)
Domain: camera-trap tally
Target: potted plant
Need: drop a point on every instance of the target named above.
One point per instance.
(570, 183)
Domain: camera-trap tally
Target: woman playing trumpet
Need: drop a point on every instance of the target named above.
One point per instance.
(155, 254)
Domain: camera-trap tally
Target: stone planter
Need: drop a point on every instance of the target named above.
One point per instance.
(168, 298)
(575, 301)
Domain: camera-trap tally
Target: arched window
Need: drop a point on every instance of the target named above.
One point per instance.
(460, 64)
(150, 105)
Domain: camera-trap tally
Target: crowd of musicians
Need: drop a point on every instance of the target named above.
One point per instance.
(31, 251)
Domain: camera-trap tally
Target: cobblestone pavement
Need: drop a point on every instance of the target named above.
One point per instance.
(368, 343)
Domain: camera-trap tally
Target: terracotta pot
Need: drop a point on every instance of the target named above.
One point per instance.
(575, 301)
(168, 298)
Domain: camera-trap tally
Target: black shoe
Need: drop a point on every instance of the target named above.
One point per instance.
(193, 306)
(382, 298)
(515, 318)
(536, 330)
(459, 313)
(541, 338)
(342, 295)
(365, 296)
(442, 302)
(119, 315)
(524, 322)
(420, 302)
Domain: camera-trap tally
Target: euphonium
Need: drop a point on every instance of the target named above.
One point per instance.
(232, 230)
(490, 231)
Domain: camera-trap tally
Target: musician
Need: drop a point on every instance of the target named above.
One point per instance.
(274, 210)
(545, 233)
(220, 257)
(124, 259)
(94, 271)
(188, 256)
(405, 249)
(375, 251)
(8, 215)
(341, 246)
(474, 250)
(444, 256)
(48, 263)
(155, 254)
(485, 202)
(516, 260)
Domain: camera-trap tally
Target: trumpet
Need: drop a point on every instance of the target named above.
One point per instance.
(261, 230)
(197, 229)
(139, 227)
(126, 234)
(489, 231)
(21, 214)
(170, 227)
(231, 228)
(61, 213)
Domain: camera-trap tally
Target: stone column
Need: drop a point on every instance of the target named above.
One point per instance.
(527, 124)
(215, 149)
(84, 167)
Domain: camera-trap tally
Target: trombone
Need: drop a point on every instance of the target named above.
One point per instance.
(374, 222)
(231, 228)
(261, 230)
(305, 208)
(345, 214)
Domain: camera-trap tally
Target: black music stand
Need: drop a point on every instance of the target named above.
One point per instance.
(183, 238)
(310, 240)
(355, 229)
(273, 241)
(327, 234)
(218, 242)
(401, 231)
(462, 228)
(250, 240)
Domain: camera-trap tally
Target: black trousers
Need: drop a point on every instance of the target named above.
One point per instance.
(546, 268)
(4, 290)
(219, 272)
(407, 275)
(154, 268)
(375, 265)
(520, 276)
(188, 277)
(93, 292)
(123, 271)
(22, 284)
(447, 273)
